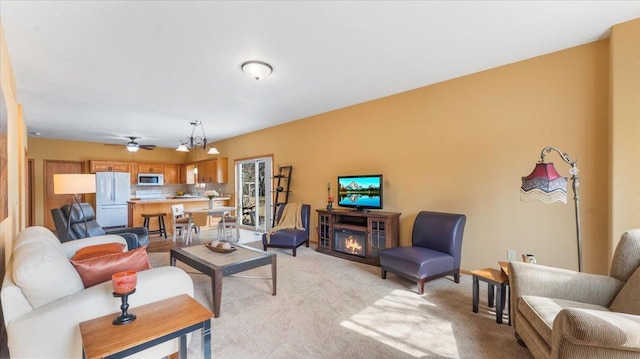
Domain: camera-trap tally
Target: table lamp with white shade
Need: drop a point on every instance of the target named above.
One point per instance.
(74, 184)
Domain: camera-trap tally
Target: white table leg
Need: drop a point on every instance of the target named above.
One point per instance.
(189, 228)
(224, 226)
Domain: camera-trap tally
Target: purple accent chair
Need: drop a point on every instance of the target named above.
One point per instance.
(436, 248)
(290, 238)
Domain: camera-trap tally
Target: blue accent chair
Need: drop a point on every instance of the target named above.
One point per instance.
(435, 251)
(290, 238)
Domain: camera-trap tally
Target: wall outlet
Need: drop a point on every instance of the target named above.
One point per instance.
(511, 255)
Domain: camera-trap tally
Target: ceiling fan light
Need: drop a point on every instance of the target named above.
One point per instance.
(182, 148)
(131, 147)
(257, 69)
(213, 151)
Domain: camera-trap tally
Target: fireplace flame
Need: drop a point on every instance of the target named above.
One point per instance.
(352, 245)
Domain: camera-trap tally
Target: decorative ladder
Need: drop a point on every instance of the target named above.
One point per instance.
(281, 190)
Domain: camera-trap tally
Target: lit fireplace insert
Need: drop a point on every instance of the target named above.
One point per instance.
(350, 241)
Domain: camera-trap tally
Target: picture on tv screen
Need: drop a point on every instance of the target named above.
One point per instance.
(360, 192)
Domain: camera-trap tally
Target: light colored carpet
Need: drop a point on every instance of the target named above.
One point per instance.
(328, 307)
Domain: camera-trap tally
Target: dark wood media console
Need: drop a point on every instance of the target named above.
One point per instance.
(340, 231)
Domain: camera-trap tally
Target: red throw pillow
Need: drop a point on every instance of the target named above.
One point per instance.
(98, 250)
(97, 270)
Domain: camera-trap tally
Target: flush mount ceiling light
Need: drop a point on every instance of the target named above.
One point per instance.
(257, 69)
(197, 141)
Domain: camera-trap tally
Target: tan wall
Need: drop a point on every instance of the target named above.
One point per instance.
(462, 146)
(16, 147)
(625, 128)
(41, 149)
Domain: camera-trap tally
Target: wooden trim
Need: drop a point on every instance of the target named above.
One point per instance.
(236, 160)
(31, 192)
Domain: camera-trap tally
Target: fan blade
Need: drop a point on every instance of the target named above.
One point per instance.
(147, 147)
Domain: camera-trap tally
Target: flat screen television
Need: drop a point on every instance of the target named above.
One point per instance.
(360, 192)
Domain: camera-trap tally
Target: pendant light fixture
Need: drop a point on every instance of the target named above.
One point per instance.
(195, 141)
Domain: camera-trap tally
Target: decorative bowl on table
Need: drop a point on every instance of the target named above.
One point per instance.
(219, 248)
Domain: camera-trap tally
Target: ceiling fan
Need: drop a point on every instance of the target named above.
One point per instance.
(133, 146)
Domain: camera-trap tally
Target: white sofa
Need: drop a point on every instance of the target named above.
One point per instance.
(43, 299)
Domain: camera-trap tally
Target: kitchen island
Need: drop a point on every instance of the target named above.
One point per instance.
(137, 207)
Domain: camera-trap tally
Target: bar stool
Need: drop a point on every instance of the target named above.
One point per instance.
(162, 230)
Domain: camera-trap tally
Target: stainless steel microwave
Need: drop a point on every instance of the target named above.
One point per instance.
(150, 179)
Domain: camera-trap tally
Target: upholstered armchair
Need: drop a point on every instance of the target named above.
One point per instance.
(560, 313)
(70, 224)
(291, 238)
(435, 251)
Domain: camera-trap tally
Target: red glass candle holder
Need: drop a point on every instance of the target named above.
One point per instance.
(124, 284)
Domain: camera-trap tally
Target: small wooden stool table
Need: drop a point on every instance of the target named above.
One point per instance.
(494, 278)
(156, 323)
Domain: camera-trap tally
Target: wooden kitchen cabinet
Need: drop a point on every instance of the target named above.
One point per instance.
(213, 171)
(108, 166)
(183, 173)
(207, 171)
(188, 173)
(221, 167)
(150, 168)
(171, 174)
(133, 173)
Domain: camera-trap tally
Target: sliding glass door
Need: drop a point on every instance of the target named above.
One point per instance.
(253, 192)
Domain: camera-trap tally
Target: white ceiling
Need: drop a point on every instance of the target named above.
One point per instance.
(103, 70)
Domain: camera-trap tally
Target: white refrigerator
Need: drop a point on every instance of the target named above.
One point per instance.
(112, 194)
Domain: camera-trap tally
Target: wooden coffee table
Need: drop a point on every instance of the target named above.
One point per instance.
(156, 323)
(217, 265)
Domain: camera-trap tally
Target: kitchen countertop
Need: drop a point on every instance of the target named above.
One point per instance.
(176, 199)
(138, 207)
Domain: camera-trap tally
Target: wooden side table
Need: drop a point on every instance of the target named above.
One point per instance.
(504, 266)
(495, 278)
(156, 323)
